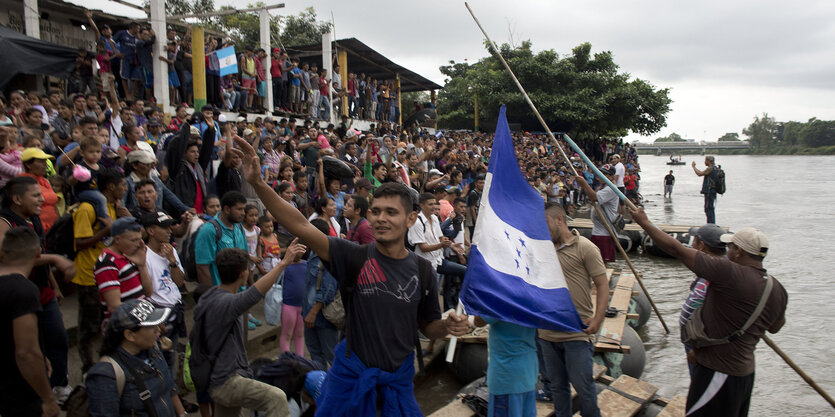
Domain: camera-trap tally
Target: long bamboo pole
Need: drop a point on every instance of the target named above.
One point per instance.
(583, 155)
(799, 371)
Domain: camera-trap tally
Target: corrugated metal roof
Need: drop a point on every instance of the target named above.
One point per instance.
(364, 59)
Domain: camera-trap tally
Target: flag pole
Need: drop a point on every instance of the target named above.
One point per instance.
(453, 340)
(585, 158)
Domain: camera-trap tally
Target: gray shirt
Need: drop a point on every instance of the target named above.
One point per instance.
(609, 204)
(224, 314)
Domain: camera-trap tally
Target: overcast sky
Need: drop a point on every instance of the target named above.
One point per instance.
(724, 61)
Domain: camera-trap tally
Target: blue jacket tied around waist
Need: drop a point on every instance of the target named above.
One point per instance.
(351, 389)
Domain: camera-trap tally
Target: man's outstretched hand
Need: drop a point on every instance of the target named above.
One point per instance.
(638, 216)
(251, 162)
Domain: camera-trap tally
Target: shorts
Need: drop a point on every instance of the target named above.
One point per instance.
(295, 93)
(148, 77)
(173, 80)
(713, 393)
(606, 246)
(262, 89)
(248, 83)
(130, 71)
(107, 81)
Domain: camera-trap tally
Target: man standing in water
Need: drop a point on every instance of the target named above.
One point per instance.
(708, 187)
(723, 373)
(388, 294)
(669, 180)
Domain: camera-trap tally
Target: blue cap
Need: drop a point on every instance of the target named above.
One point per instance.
(124, 224)
(313, 384)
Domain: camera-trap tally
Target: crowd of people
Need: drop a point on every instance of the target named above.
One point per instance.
(123, 62)
(363, 229)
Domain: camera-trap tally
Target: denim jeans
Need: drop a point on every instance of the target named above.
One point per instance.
(321, 341)
(571, 362)
(89, 323)
(710, 207)
(325, 111)
(95, 198)
(56, 345)
(543, 371)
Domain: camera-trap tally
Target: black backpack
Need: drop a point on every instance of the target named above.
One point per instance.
(200, 361)
(188, 256)
(60, 239)
(719, 180)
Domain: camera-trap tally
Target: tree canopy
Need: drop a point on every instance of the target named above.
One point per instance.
(245, 28)
(729, 137)
(673, 137)
(582, 93)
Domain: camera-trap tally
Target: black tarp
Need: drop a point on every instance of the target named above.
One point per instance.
(23, 54)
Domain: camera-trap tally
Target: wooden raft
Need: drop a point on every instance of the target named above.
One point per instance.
(611, 331)
(610, 401)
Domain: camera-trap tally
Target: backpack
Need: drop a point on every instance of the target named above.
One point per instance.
(60, 239)
(335, 311)
(188, 257)
(719, 180)
(199, 363)
(78, 403)
(409, 245)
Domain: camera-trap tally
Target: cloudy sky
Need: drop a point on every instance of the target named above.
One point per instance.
(724, 61)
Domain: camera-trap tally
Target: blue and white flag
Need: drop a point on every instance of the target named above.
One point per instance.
(513, 273)
(228, 61)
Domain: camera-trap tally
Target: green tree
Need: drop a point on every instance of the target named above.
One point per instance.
(185, 7)
(582, 93)
(673, 137)
(762, 132)
(408, 99)
(245, 28)
(303, 29)
(729, 137)
(817, 133)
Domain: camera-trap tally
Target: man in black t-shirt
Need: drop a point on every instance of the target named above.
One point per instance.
(669, 180)
(389, 293)
(473, 201)
(24, 387)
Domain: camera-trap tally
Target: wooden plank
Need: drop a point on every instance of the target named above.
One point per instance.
(675, 408)
(544, 409)
(611, 331)
(454, 409)
(636, 388)
(582, 223)
(612, 404)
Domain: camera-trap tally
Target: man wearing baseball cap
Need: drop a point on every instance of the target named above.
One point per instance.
(120, 271)
(723, 373)
(608, 201)
(706, 239)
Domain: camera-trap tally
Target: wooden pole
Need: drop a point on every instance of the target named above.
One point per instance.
(198, 66)
(799, 371)
(551, 135)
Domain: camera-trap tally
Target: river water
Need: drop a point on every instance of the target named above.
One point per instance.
(792, 200)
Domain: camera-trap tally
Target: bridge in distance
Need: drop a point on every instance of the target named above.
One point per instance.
(661, 148)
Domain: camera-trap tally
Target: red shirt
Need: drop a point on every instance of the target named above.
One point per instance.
(361, 233)
(104, 62)
(275, 68)
(323, 86)
(116, 271)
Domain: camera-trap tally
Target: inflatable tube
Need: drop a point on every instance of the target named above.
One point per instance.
(649, 246)
(470, 362)
(334, 168)
(631, 363)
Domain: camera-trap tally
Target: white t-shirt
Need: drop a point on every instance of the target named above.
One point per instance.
(427, 231)
(166, 293)
(115, 131)
(620, 171)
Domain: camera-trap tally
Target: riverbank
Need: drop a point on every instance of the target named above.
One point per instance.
(770, 150)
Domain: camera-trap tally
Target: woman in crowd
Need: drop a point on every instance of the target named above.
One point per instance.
(130, 348)
(34, 166)
(326, 210)
(133, 141)
(10, 163)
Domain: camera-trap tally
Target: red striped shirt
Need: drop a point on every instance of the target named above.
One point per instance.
(114, 271)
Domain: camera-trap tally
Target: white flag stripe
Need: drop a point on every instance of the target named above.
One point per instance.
(508, 250)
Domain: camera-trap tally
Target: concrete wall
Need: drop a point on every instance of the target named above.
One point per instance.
(57, 28)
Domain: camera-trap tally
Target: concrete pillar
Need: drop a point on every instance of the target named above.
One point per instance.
(399, 101)
(327, 64)
(32, 18)
(264, 18)
(160, 68)
(198, 66)
(342, 57)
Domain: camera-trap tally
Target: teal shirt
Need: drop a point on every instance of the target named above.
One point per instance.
(513, 367)
(205, 248)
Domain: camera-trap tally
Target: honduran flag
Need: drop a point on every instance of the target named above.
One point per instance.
(227, 60)
(513, 273)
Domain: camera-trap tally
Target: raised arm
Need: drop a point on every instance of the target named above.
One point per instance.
(89, 15)
(286, 215)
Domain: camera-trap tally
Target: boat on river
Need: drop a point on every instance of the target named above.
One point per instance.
(675, 162)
